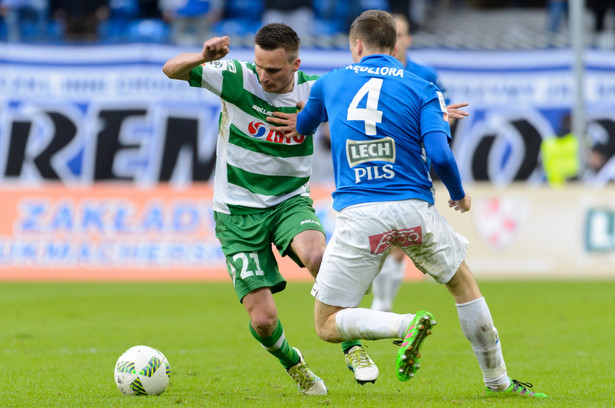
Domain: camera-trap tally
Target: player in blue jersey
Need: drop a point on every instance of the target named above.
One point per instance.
(384, 122)
(387, 283)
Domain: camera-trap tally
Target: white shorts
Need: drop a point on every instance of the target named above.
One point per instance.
(364, 235)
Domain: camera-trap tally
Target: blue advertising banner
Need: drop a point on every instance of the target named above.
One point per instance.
(107, 113)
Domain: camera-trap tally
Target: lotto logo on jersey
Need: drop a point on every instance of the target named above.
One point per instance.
(257, 129)
(260, 130)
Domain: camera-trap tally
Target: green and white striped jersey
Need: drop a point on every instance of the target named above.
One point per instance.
(256, 168)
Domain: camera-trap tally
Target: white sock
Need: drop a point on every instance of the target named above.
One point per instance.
(387, 283)
(477, 326)
(367, 324)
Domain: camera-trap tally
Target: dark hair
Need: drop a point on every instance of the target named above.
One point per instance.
(376, 28)
(277, 35)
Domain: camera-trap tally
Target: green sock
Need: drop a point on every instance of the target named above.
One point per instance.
(277, 345)
(347, 345)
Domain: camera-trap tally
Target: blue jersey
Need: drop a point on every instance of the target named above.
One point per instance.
(379, 115)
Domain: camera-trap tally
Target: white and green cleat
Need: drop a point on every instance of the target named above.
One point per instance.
(307, 382)
(364, 369)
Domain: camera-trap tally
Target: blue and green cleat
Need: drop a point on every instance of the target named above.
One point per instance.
(408, 355)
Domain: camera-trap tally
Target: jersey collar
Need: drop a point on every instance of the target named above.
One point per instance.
(381, 59)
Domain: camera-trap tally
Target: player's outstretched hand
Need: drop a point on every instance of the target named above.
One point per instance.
(216, 48)
(462, 205)
(454, 110)
(287, 122)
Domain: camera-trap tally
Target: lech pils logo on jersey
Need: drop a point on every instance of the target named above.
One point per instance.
(363, 151)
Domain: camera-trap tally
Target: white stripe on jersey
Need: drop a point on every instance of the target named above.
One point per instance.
(259, 163)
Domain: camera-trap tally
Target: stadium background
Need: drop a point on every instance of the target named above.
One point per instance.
(105, 164)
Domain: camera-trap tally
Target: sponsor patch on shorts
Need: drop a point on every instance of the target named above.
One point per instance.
(401, 238)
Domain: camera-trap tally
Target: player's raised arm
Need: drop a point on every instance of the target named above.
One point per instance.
(443, 161)
(179, 67)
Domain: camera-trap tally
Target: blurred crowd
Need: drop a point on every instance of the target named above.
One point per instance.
(173, 21)
(189, 22)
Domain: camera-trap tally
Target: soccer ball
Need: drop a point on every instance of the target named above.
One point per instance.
(142, 370)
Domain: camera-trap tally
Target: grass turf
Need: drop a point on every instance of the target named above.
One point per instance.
(59, 344)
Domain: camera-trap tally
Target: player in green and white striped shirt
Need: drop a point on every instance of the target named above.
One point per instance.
(261, 191)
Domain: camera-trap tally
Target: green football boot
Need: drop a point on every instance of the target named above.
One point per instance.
(408, 355)
(517, 388)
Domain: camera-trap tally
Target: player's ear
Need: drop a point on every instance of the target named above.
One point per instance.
(359, 47)
(296, 64)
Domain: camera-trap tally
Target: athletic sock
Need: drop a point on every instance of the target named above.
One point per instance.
(358, 323)
(277, 345)
(347, 345)
(386, 285)
(477, 326)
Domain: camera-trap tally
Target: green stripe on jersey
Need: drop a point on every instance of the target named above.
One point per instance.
(233, 89)
(238, 138)
(196, 76)
(264, 184)
(302, 77)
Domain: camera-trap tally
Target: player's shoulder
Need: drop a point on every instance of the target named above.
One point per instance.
(302, 77)
(424, 71)
(337, 73)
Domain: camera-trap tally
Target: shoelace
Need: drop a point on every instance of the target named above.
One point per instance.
(359, 358)
(302, 376)
(522, 384)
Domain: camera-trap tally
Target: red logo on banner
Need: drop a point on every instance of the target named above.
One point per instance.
(500, 220)
(401, 238)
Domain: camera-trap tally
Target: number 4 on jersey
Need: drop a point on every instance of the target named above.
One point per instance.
(370, 114)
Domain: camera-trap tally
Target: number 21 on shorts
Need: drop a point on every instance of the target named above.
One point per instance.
(247, 268)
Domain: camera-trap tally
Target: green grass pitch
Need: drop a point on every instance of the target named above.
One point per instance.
(59, 344)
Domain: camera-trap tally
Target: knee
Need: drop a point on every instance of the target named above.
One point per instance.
(312, 261)
(327, 333)
(263, 322)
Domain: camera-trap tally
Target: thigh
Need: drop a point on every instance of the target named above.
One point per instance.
(441, 250)
(291, 218)
(349, 265)
(246, 245)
